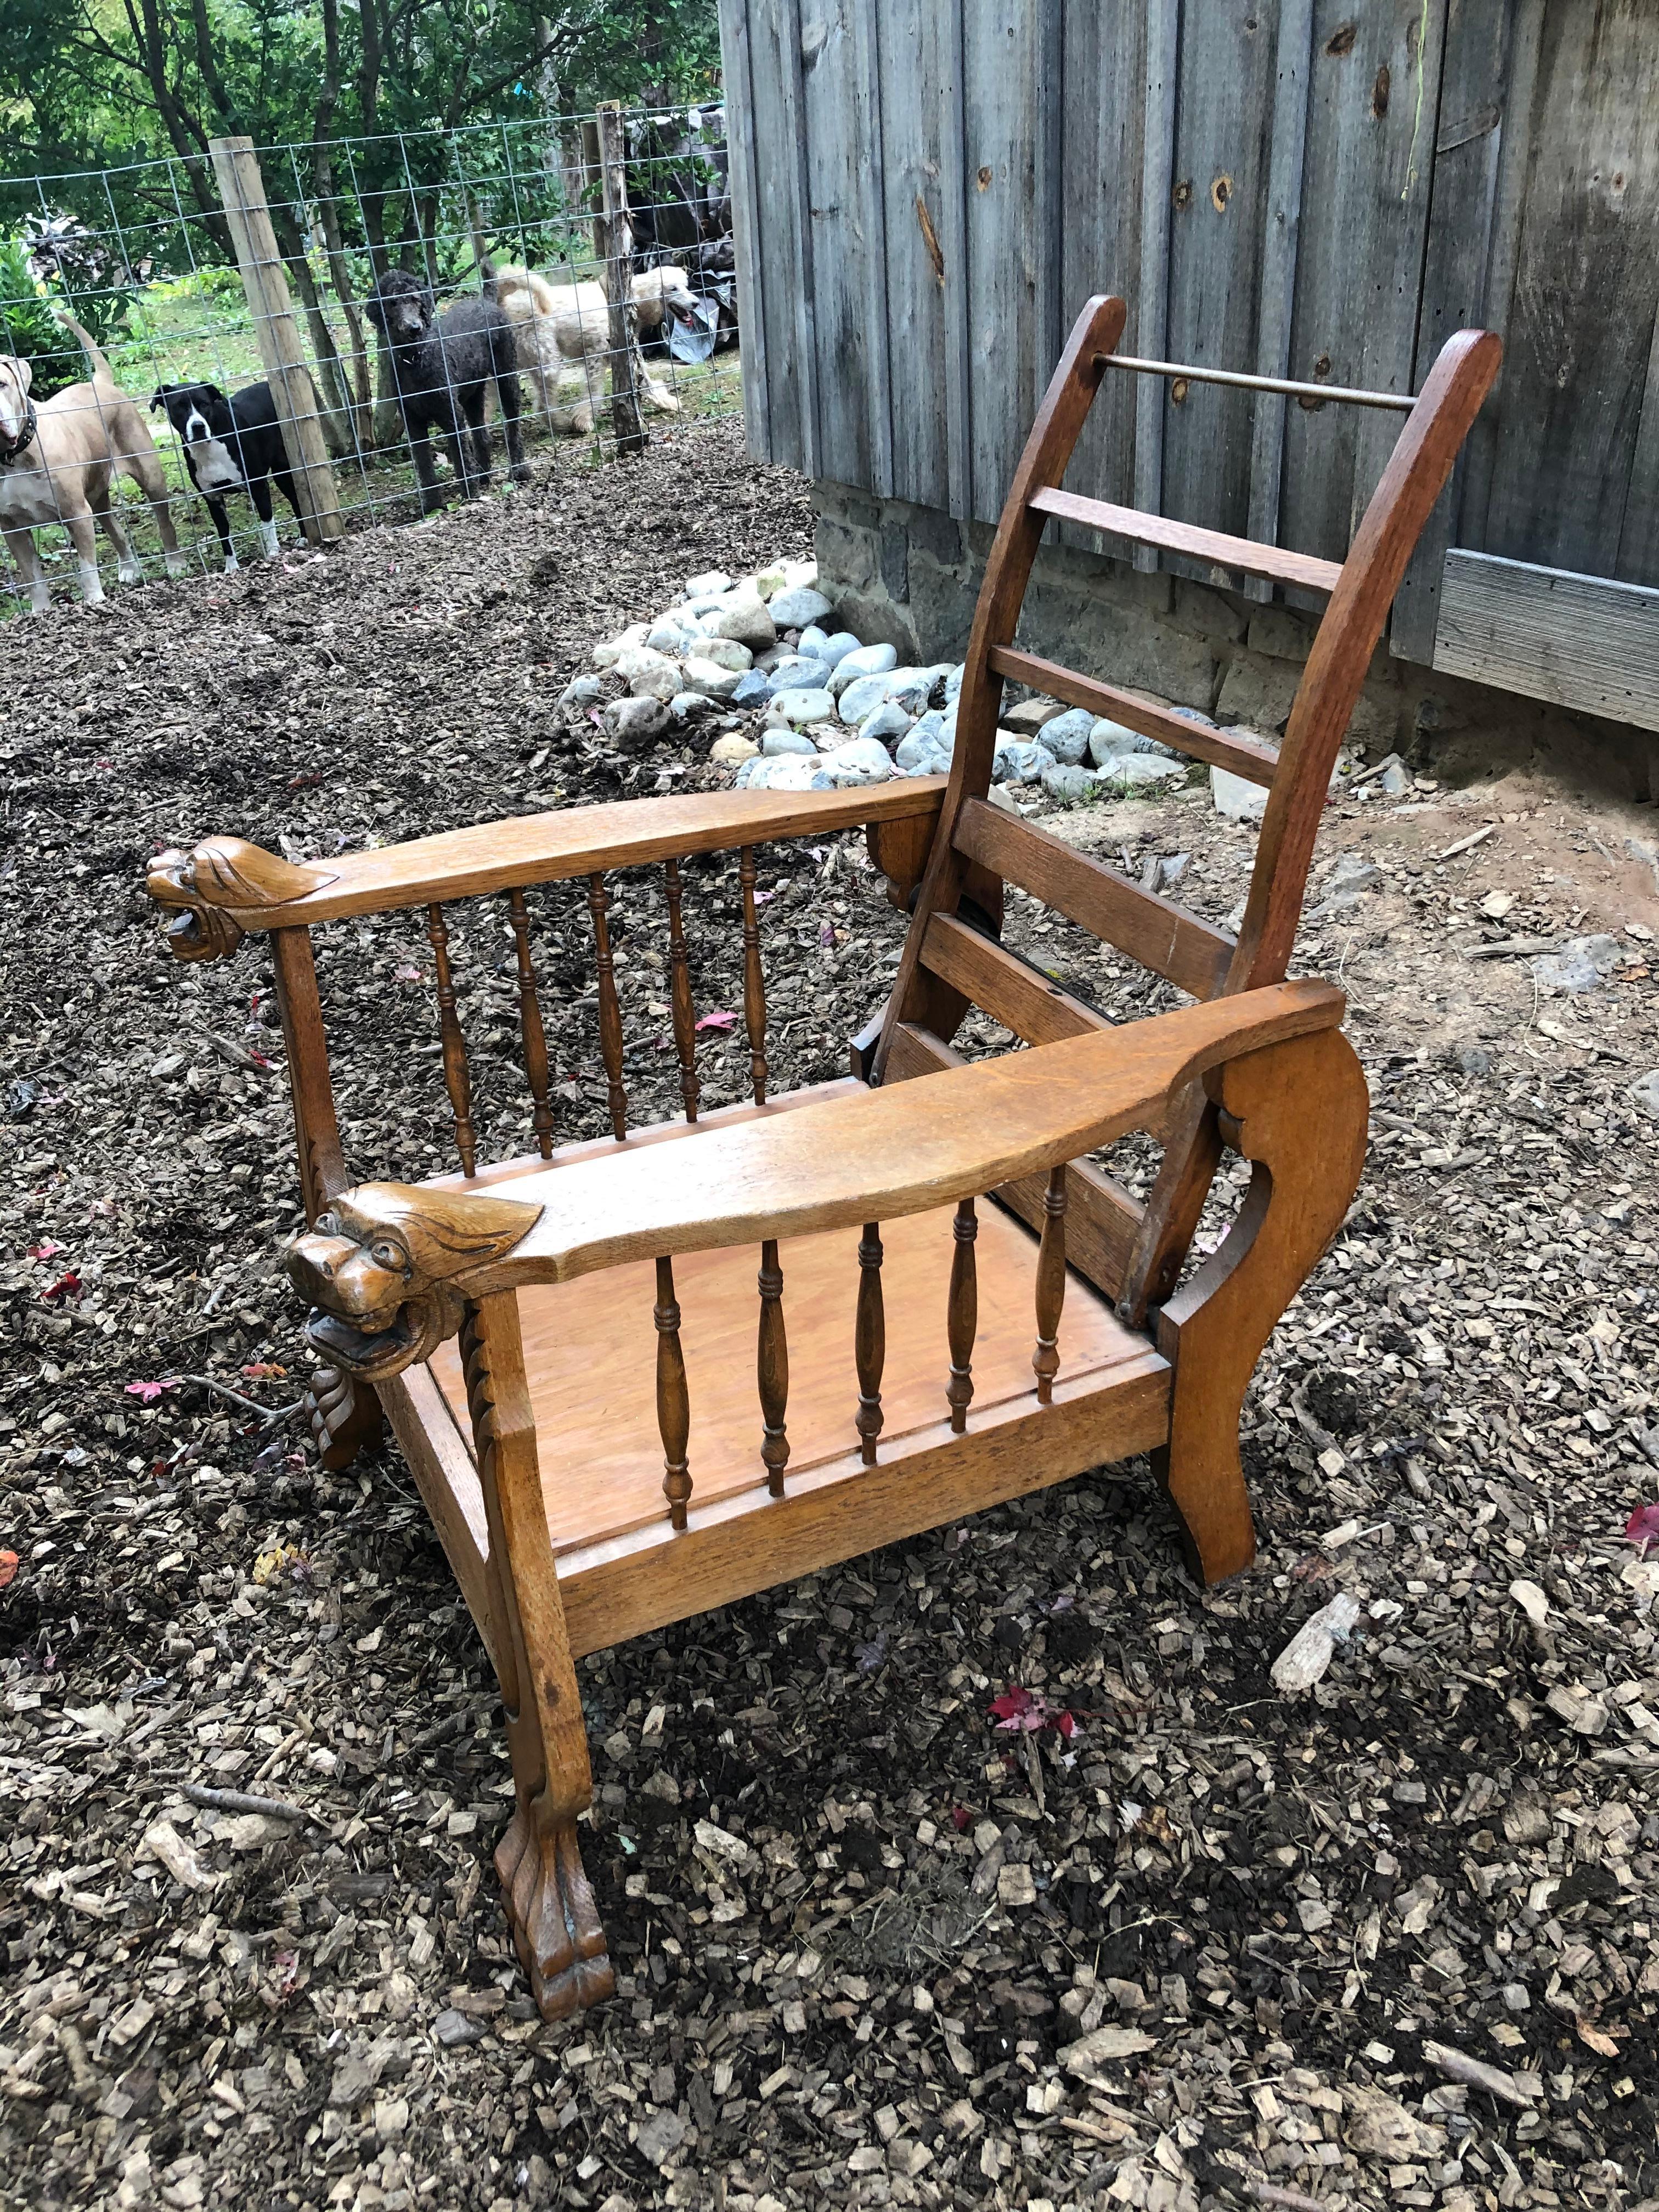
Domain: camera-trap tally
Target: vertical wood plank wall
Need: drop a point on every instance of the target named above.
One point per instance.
(928, 190)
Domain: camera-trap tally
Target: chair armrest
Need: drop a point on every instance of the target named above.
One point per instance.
(390, 1266)
(226, 887)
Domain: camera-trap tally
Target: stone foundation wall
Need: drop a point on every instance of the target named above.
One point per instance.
(910, 575)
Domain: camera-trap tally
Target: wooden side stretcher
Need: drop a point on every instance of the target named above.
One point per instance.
(640, 1376)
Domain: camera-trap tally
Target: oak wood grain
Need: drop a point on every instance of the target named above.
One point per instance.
(1190, 953)
(1243, 554)
(1245, 755)
(1022, 998)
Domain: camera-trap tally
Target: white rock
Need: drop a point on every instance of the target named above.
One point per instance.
(793, 774)
(607, 654)
(1019, 761)
(779, 739)
(733, 748)
(862, 761)
(701, 675)
(583, 691)
(800, 707)
(890, 722)
(1309, 1651)
(866, 660)
(912, 688)
(799, 575)
(707, 586)
(1117, 738)
(923, 752)
(1139, 771)
(746, 618)
(726, 652)
(953, 681)
(639, 660)
(770, 580)
(672, 636)
(636, 721)
(799, 604)
(659, 683)
(831, 651)
(1644, 1093)
(1236, 798)
(1070, 779)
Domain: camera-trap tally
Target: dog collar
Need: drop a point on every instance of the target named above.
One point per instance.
(25, 436)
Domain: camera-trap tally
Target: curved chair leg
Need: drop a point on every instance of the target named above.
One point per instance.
(1298, 1111)
(549, 1906)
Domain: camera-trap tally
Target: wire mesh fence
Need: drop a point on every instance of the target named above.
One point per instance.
(145, 260)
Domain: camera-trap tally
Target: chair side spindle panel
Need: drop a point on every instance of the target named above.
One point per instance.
(962, 1320)
(1050, 1286)
(870, 1341)
(673, 1398)
(772, 1370)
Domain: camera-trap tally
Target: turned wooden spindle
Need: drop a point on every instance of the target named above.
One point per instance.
(611, 1032)
(1050, 1286)
(772, 1369)
(962, 1320)
(458, 1078)
(870, 1340)
(754, 983)
(531, 1029)
(673, 1401)
(685, 1018)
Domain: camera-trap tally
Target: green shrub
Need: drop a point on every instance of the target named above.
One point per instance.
(29, 329)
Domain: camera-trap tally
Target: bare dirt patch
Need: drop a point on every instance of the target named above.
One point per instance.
(1265, 1921)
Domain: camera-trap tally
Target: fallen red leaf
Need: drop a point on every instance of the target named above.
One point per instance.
(264, 1370)
(961, 1818)
(45, 1249)
(718, 1020)
(148, 1393)
(1642, 1527)
(7, 1567)
(1021, 1712)
(68, 1285)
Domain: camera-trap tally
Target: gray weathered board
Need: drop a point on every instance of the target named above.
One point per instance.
(927, 192)
(1576, 640)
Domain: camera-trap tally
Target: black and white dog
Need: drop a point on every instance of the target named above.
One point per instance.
(230, 445)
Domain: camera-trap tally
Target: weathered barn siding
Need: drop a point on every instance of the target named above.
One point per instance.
(929, 190)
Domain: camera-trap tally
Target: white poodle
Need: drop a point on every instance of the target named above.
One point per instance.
(563, 334)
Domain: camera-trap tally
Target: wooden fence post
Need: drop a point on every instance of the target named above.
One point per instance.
(619, 281)
(242, 190)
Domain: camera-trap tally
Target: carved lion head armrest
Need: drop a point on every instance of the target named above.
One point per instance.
(216, 892)
(383, 1270)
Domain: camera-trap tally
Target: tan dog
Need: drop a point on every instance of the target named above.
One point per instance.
(57, 463)
(563, 334)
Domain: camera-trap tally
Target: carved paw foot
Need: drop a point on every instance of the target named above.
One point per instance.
(345, 1417)
(550, 1908)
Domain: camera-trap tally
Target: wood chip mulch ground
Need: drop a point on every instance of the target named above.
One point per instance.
(1173, 1939)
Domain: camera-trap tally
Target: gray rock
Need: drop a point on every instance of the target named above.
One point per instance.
(799, 705)
(672, 636)
(452, 2028)
(660, 2135)
(1236, 797)
(860, 698)
(1646, 1093)
(796, 671)
(1115, 738)
(1021, 761)
(701, 675)
(863, 761)
(636, 721)
(584, 692)
(866, 660)
(793, 773)
(745, 618)
(1069, 781)
(1582, 963)
(922, 752)
(888, 722)
(779, 739)
(794, 609)
(911, 688)
(1394, 781)
(1066, 736)
(686, 706)
(831, 651)
(753, 689)
(726, 652)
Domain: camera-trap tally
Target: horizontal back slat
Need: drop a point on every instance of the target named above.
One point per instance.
(1250, 757)
(1190, 953)
(1024, 1001)
(1245, 555)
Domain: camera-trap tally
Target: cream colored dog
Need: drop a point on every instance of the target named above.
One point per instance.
(563, 333)
(57, 461)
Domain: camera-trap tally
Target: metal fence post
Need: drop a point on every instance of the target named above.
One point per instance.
(618, 280)
(241, 189)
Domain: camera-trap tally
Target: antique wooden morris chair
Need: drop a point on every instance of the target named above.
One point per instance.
(957, 1353)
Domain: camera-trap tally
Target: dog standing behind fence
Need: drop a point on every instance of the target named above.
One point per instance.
(441, 371)
(57, 463)
(564, 338)
(233, 444)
